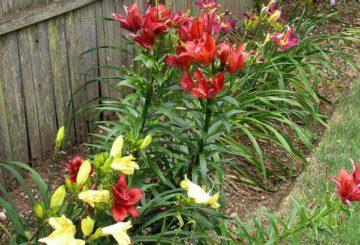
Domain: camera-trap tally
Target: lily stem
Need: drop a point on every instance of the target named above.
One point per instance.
(203, 138)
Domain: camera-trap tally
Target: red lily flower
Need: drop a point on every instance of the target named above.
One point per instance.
(73, 166)
(224, 52)
(203, 88)
(347, 189)
(202, 50)
(179, 18)
(183, 61)
(186, 82)
(133, 18)
(159, 13)
(124, 200)
(146, 38)
(191, 30)
(356, 172)
(238, 58)
(211, 22)
(285, 40)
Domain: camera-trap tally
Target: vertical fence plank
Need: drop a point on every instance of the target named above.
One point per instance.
(60, 71)
(102, 59)
(21, 5)
(111, 32)
(7, 6)
(89, 60)
(5, 145)
(14, 103)
(73, 33)
(13, 97)
(41, 63)
(32, 120)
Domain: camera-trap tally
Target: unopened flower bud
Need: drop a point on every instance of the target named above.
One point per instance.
(84, 172)
(106, 168)
(274, 17)
(68, 184)
(309, 3)
(39, 210)
(99, 159)
(87, 226)
(116, 149)
(58, 197)
(28, 235)
(59, 138)
(146, 142)
(96, 235)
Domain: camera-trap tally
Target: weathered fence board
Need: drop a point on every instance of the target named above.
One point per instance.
(26, 65)
(13, 96)
(73, 28)
(60, 70)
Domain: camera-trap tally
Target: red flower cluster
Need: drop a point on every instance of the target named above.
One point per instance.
(73, 166)
(124, 200)
(155, 22)
(348, 184)
(203, 88)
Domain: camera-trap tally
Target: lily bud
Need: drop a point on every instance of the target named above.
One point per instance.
(146, 142)
(39, 210)
(87, 226)
(58, 197)
(274, 17)
(105, 168)
(59, 138)
(84, 172)
(68, 184)
(96, 235)
(99, 159)
(116, 149)
(309, 3)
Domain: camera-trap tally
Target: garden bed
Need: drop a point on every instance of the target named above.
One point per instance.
(244, 199)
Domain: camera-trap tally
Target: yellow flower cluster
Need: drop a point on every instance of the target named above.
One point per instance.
(198, 194)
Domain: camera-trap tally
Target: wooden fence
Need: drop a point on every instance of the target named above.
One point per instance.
(41, 67)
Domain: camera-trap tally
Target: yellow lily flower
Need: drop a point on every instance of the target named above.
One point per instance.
(125, 165)
(94, 196)
(198, 194)
(119, 232)
(63, 234)
(117, 146)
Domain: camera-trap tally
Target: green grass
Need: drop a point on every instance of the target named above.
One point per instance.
(340, 142)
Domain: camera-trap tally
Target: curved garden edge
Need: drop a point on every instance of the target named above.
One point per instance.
(339, 143)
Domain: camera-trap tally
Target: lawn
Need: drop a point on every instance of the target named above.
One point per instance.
(340, 143)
